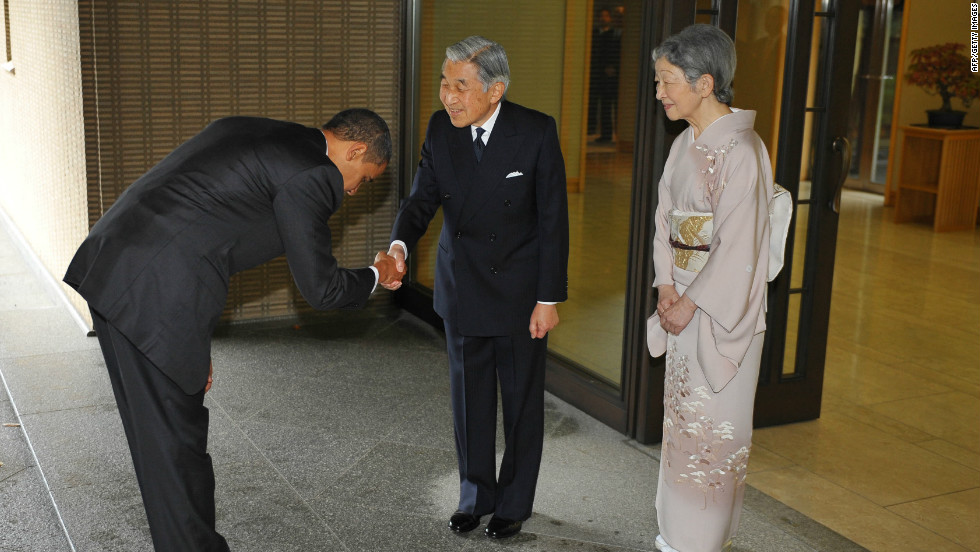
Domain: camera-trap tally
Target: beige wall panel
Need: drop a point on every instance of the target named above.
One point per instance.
(42, 138)
(532, 33)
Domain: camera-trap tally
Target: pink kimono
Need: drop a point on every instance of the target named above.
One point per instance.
(712, 244)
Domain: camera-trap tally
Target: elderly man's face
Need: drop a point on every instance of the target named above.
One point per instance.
(461, 92)
(680, 101)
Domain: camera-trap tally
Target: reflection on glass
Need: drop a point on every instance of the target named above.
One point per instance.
(704, 13)
(803, 194)
(802, 219)
(591, 330)
(879, 170)
(893, 33)
(873, 92)
(760, 44)
(576, 61)
(792, 324)
(424, 256)
(604, 72)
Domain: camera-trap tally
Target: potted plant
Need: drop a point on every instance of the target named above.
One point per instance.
(943, 69)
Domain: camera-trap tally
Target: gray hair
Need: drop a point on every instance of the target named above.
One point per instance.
(488, 56)
(702, 50)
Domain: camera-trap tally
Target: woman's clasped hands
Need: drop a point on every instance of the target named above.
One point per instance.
(676, 311)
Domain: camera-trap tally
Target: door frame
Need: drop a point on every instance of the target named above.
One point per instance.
(785, 398)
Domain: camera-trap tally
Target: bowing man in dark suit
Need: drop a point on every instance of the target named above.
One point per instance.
(497, 171)
(155, 271)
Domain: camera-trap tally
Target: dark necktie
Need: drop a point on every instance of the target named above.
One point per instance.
(478, 144)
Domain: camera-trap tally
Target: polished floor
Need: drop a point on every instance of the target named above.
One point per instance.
(335, 436)
(893, 463)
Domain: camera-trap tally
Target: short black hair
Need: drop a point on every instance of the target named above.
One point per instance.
(363, 125)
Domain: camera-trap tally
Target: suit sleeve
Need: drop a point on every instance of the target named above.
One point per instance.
(552, 203)
(422, 203)
(302, 209)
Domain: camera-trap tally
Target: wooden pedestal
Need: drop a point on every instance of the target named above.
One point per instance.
(939, 177)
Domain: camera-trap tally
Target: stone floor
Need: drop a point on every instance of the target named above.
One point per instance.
(335, 436)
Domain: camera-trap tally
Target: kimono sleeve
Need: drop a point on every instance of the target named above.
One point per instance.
(663, 255)
(726, 287)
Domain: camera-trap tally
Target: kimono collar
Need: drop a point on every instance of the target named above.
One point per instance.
(721, 130)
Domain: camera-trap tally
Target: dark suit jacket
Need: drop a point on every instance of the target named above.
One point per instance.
(504, 241)
(243, 191)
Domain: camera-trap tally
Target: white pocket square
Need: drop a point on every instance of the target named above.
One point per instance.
(515, 173)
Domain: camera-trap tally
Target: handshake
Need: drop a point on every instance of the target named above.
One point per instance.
(391, 267)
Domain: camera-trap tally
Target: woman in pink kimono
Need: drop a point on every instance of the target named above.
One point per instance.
(711, 261)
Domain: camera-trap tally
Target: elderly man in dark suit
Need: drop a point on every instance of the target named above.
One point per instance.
(155, 271)
(497, 171)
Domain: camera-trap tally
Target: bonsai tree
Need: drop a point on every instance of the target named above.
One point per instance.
(942, 69)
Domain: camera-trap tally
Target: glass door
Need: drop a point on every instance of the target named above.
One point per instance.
(873, 92)
(813, 158)
(577, 61)
(795, 70)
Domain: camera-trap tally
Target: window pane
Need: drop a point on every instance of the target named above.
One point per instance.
(576, 61)
(802, 216)
(792, 326)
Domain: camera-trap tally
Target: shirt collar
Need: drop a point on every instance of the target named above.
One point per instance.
(487, 126)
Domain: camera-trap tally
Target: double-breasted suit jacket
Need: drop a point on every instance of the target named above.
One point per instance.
(504, 240)
(241, 192)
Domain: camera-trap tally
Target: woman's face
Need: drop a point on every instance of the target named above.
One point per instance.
(680, 101)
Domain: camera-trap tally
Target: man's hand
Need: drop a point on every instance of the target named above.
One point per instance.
(398, 253)
(388, 272)
(210, 378)
(543, 319)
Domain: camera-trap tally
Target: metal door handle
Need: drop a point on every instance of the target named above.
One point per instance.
(843, 146)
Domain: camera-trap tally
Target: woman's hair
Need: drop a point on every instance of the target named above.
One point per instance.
(489, 57)
(702, 50)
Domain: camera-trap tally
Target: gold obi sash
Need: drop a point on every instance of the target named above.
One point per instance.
(690, 237)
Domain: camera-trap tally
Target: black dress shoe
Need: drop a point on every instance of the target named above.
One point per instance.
(500, 528)
(462, 522)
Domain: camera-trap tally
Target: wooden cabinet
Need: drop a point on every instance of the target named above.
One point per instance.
(939, 177)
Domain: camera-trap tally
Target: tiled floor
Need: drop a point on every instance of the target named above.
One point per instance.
(325, 439)
(333, 437)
